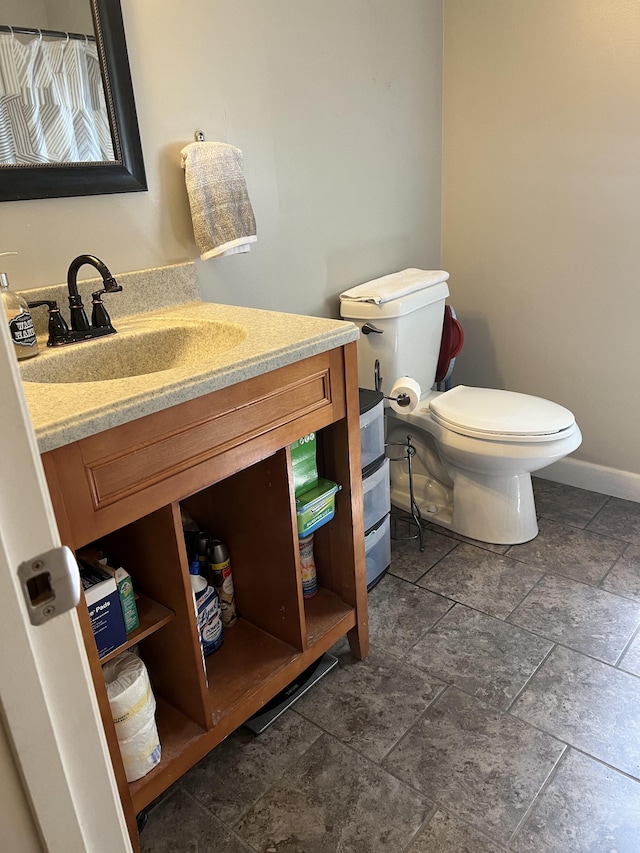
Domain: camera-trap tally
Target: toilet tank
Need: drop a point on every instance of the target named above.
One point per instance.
(409, 345)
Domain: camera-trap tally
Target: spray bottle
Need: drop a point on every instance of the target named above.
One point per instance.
(220, 571)
(208, 612)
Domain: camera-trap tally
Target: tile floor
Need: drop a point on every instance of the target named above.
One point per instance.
(498, 710)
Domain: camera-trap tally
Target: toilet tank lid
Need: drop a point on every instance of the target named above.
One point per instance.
(394, 295)
(488, 410)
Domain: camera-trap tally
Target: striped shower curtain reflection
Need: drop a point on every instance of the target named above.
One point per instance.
(52, 105)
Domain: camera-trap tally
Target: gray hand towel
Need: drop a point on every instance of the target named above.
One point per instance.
(223, 220)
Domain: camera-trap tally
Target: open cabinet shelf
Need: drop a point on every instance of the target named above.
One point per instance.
(151, 616)
(327, 616)
(225, 459)
(239, 672)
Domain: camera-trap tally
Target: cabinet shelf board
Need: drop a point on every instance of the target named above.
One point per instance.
(182, 742)
(242, 668)
(152, 615)
(327, 615)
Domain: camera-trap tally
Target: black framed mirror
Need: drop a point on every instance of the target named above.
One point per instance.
(125, 172)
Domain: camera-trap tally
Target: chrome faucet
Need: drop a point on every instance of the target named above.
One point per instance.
(81, 329)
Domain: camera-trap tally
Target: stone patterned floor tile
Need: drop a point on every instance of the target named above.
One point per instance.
(486, 546)
(236, 773)
(483, 656)
(333, 799)
(581, 617)
(624, 577)
(477, 763)
(409, 563)
(480, 579)
(620, 519)
(400, 613)
(579, 554)
(444, 834)
(566, 504)
(180, 825)
(369, 704)
(586, 808)
(587, 704)
(630, 661)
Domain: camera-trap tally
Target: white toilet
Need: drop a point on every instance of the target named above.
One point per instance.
(475, 447)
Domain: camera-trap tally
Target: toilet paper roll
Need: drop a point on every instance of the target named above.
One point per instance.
(133, 709)
(405, 395)
(130, 697)
(141, 753)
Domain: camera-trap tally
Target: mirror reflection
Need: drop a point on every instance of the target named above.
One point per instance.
(52, 103)
(67, 114)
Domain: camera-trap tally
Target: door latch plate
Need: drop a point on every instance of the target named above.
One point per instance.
(50, 584)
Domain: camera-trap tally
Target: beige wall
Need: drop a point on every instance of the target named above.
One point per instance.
(337, 107)
(541, 206)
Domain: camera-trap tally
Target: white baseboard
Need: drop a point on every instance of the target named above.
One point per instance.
(594, 478)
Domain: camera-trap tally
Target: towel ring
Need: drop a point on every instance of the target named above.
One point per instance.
(199, 136)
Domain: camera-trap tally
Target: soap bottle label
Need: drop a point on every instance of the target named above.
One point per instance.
(22, 331)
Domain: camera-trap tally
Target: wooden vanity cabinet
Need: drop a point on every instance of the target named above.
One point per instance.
(225, 458)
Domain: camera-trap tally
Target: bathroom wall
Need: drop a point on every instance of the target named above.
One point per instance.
(541, 207)
(337, 107)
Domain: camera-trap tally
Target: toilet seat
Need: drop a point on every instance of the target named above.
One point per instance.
(495, 415)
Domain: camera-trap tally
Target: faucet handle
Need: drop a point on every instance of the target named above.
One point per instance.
(58, 329)
(99, 315)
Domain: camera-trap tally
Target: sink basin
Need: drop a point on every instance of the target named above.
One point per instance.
(138, 350)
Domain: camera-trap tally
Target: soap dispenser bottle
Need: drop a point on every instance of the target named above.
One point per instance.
(19, 318)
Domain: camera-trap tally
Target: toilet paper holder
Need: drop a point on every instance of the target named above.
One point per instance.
(401, 399)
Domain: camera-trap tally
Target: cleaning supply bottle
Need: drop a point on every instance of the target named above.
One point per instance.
(208, 612)
(19, 318)
(308, 567)
(220, 573)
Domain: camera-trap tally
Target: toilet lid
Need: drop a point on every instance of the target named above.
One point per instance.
(488, 412)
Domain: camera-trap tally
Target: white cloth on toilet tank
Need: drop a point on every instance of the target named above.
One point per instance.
(394, 286)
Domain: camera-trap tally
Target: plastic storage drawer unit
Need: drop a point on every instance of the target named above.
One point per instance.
(376, 494)
(377, 547)
(371, 425)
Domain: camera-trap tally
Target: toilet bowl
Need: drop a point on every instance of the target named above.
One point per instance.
(472, 473)
(474, 448)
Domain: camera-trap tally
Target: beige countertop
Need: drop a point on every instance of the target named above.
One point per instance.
(260, 341)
